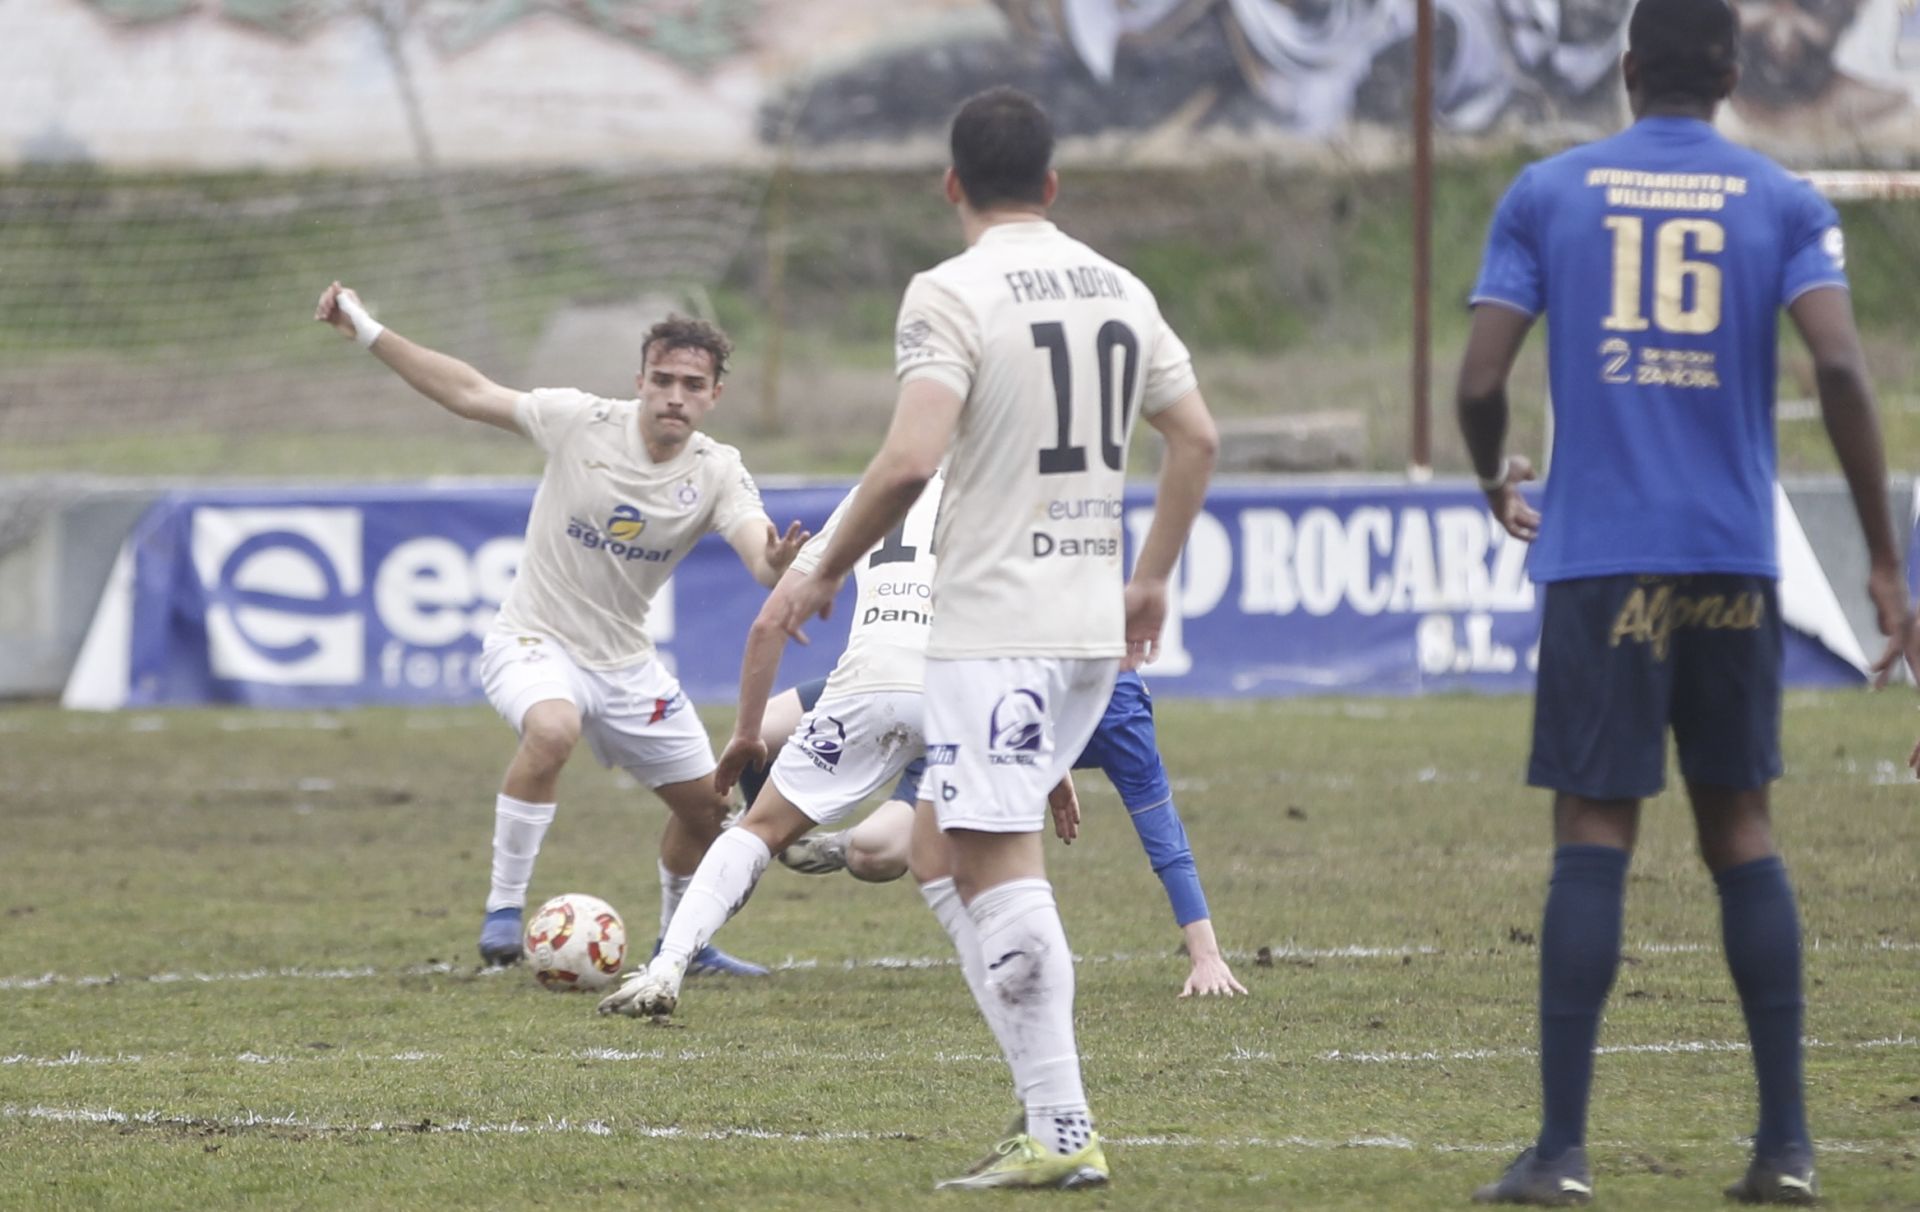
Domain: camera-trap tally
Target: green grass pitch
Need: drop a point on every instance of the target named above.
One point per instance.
(237, 969)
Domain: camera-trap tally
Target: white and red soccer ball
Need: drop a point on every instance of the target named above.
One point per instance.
(576, 941)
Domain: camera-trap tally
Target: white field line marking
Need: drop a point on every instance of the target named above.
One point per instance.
(883, 962)
(1672, 1048)
(599, 1127)
(46, 979)
(14, 984)
(76, 1059)
(1239, 1055)
(68, 1060)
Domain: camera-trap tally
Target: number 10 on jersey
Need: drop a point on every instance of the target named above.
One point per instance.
(1064, 456)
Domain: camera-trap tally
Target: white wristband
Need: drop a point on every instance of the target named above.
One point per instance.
(1498, 480)
(366, 329)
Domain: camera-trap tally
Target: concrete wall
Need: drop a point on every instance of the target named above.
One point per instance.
(59, 537)
(301, 84)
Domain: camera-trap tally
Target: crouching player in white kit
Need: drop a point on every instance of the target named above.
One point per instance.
(1028, 355)
(629, 487)
(858, 737)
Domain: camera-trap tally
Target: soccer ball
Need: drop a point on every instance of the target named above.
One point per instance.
(576, 941)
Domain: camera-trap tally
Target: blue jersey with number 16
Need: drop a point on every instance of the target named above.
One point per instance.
(1661, 257)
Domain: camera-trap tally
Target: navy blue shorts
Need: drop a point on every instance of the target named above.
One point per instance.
(1126, 748)
(1622, 658)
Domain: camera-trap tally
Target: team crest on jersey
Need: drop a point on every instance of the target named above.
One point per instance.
(688, 494)
(911, 338)
(1015, 729)
(825, 742)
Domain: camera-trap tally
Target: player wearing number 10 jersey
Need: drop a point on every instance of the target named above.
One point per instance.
(1662, 256)
(1027, 356)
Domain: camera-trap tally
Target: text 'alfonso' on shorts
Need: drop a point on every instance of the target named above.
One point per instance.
(1074, 527)
(1653, 613)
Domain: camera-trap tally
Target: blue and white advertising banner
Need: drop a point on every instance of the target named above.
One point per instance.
(336, 597)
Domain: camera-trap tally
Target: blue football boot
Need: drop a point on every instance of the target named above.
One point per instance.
(500, 943)
(710, 960)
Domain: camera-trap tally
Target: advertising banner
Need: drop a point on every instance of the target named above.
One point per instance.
(347, 596)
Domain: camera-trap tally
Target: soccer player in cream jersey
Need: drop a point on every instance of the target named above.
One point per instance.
(1026, 359)
(629, 487)
(859, 736)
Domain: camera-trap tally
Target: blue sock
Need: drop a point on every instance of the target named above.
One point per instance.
(1760, 928)
(1579, 951)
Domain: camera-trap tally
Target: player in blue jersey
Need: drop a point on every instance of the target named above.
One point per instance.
(1125, 747)
(1662, 256)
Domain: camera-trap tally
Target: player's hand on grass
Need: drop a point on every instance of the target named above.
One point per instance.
(741, 752)
(1510, 509)
(809, 598)
(1211, 977)
(1146, 615)
(1065, 802)
(782, 548)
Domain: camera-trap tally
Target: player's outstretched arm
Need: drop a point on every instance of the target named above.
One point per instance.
(1824, 317)
(1193, 446)
(1480, 401)
(759, 666)
(448, 382)
(924, 420)
(765, 551)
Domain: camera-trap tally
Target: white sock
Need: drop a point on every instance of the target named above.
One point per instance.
(1029, 971)
(944, 900)
(672, 888)
(733, 865)
(518, 828)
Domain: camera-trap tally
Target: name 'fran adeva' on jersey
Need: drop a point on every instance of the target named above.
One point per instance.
(1055, 351)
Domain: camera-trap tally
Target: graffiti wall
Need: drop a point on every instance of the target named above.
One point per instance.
(304, 83)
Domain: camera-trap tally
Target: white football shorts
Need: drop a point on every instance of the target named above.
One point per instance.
(635, 717)
(846, 749)
(1003, 731)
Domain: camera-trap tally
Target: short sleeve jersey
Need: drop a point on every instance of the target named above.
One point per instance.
(893, 602)
(609, 524)
(1661, 257)
(1055, 351)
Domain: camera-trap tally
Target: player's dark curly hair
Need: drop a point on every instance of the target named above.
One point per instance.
(685, 332)
(1684, 48)
(1002, 146)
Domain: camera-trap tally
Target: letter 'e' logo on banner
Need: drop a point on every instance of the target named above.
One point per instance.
(282, 594)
